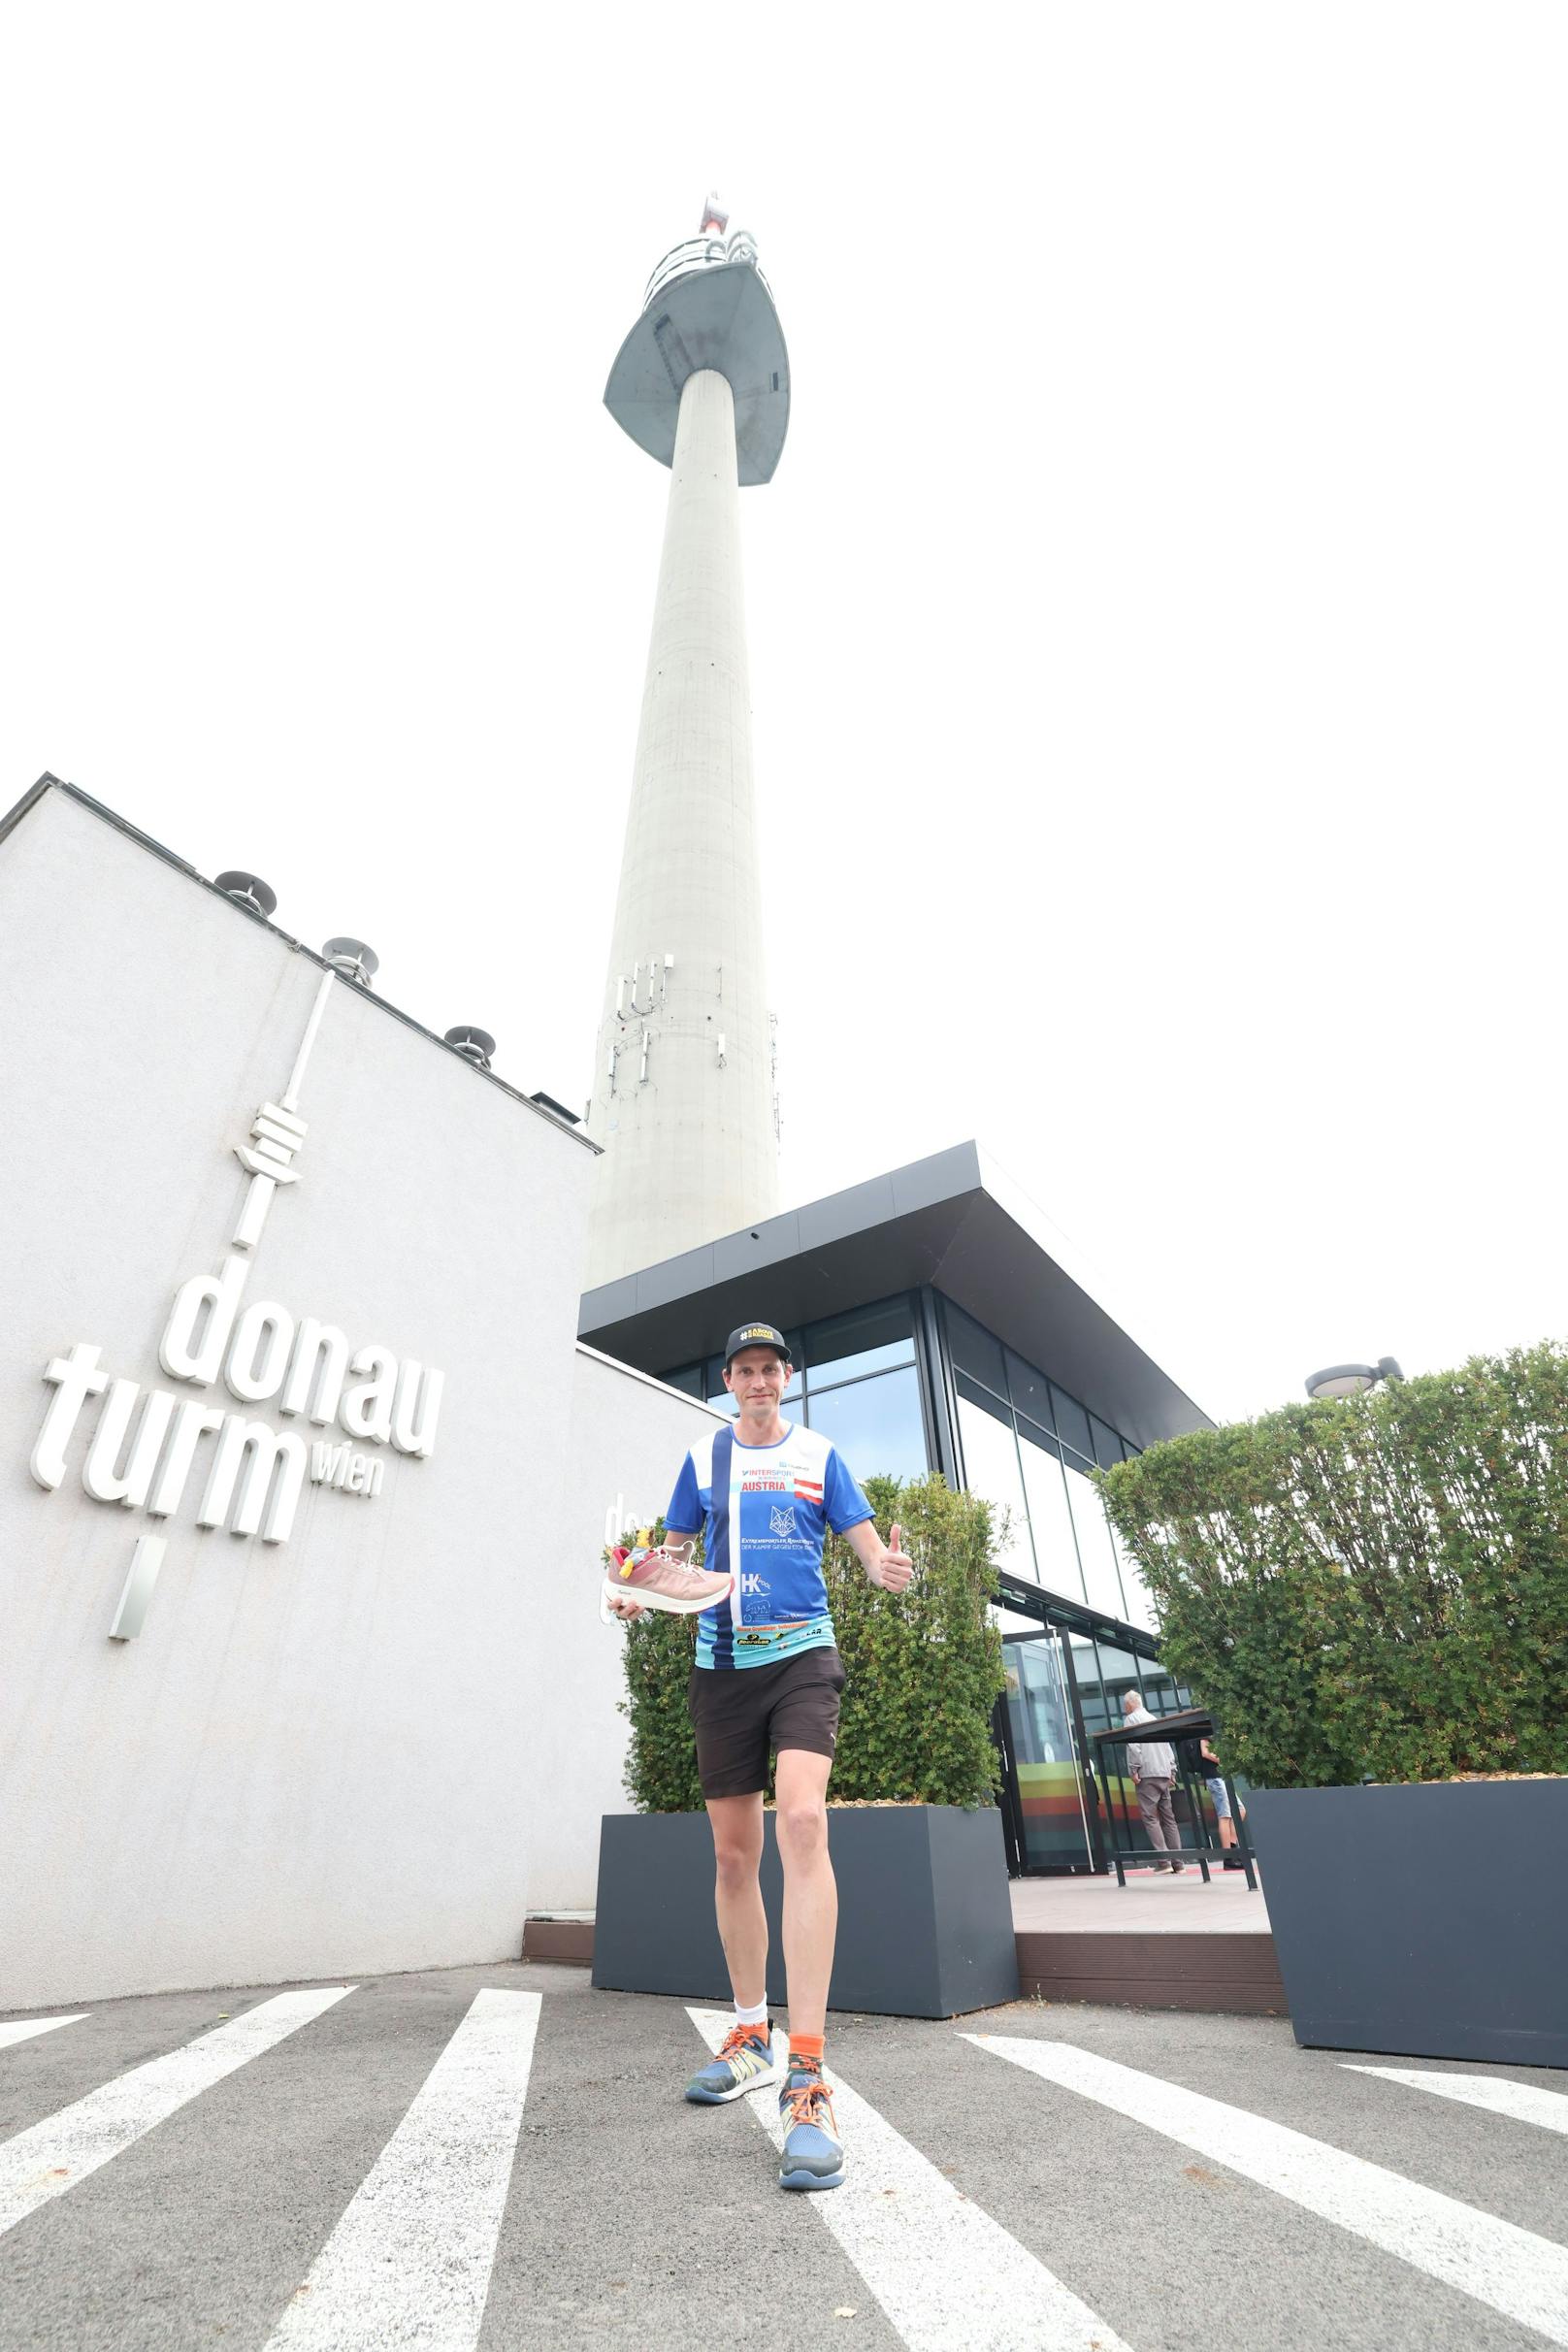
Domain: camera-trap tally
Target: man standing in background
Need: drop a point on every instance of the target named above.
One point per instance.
(1153, 1766)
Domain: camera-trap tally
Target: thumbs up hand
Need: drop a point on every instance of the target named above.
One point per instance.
(893, 1571)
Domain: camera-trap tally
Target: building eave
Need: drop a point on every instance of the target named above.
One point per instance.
(952, 1220)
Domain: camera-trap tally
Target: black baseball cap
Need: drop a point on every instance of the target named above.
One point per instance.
(755, 1335)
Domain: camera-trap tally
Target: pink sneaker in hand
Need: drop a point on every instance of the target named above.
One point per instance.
(660, 1580)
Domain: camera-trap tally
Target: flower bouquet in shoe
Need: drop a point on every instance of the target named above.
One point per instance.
(654, 1576)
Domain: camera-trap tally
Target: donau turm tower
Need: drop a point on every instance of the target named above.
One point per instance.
(683, 1100)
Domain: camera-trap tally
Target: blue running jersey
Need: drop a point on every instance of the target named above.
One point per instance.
(782, 1499)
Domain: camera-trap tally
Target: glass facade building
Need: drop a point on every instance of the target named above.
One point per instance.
(937, 1322)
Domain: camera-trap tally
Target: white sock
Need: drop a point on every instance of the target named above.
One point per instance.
(751, 2016)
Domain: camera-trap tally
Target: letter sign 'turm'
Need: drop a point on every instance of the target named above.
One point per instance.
(143, 1450)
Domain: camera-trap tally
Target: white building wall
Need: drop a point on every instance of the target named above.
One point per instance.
(351, 1751)
(683, 1093)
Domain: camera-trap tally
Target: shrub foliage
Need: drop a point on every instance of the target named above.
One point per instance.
(1374, 1586)
(923, 1669)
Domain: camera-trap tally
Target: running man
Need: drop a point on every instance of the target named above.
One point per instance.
(767, 1678)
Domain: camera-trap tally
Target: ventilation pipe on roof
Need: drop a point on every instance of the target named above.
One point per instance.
(353, 959)
(476, 1043)
(250, 892)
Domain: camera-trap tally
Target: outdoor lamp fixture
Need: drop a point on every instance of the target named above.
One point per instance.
(1348, 1380)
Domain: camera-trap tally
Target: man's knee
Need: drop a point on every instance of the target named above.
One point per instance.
(802, 1828)
(736, 1854)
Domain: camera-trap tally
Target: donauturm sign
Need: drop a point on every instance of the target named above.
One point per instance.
(145, 1442)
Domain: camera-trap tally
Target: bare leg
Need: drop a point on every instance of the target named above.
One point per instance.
(738, 1897)
(810, 1890)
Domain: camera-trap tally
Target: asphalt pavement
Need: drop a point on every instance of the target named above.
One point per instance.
(485, 2158)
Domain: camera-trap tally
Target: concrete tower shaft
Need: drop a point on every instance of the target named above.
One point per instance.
(683, 1098)
(683, 1084)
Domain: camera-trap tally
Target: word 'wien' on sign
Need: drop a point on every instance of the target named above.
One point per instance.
(143, 1447)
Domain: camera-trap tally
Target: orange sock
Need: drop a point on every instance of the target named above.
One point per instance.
(806, 2046)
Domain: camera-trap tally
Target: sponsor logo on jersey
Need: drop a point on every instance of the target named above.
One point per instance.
(755, 1583)
(782, 1522)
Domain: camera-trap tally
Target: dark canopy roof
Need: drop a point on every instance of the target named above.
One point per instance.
(955, 1221)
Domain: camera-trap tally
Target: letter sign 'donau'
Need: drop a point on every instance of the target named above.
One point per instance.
(146, 1442)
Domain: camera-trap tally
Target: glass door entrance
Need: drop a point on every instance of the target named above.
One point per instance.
(1054, 1820)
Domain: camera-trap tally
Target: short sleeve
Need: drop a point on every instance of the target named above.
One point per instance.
(685, 1513)
(842, 1502)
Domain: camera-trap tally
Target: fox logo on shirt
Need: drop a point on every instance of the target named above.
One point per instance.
(782, 1522)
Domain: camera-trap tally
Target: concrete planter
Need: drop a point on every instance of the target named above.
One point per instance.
(1429, 1920)
(925, 1920)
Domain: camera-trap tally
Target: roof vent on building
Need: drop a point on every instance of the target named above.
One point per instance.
(353, 959)
(251, 891)
(548, 1102)
(476, 1043)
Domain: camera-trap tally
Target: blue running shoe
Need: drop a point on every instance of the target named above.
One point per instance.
(745, 2063)
(813, 2157)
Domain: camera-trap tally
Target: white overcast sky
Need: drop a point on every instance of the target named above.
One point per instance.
(1156, 619)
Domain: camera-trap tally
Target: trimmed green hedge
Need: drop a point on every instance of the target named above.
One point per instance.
(923, 1669)
(1374, 1586)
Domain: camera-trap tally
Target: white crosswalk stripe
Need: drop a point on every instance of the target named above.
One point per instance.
(409, 2263)
(949, 2277)
(52, 2156)
(1524, 2276)
(22, 2029)
(1526, 2102)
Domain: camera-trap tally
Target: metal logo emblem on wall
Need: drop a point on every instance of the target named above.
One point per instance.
(256, 1473)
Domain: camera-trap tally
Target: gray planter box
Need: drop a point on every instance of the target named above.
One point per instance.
(925, 1919)
(1429, 1920)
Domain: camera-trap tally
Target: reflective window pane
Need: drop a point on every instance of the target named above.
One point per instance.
(1072, 1422)
(974, 1351)
(1051, 1520)
(1159, 1692)
(1090, 1691)
(845, 1345)
(1102, 1583)
(1140, 1608)
(1050, 1785)
(1107, 1445)
(990, 1468)
(875, 1425)
(1031, 1390)
(693, 1378)
(1121, 1671)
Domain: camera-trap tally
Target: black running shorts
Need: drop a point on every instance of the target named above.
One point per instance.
(740, 1713)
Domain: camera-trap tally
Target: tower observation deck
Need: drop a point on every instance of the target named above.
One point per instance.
(683, 1100)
